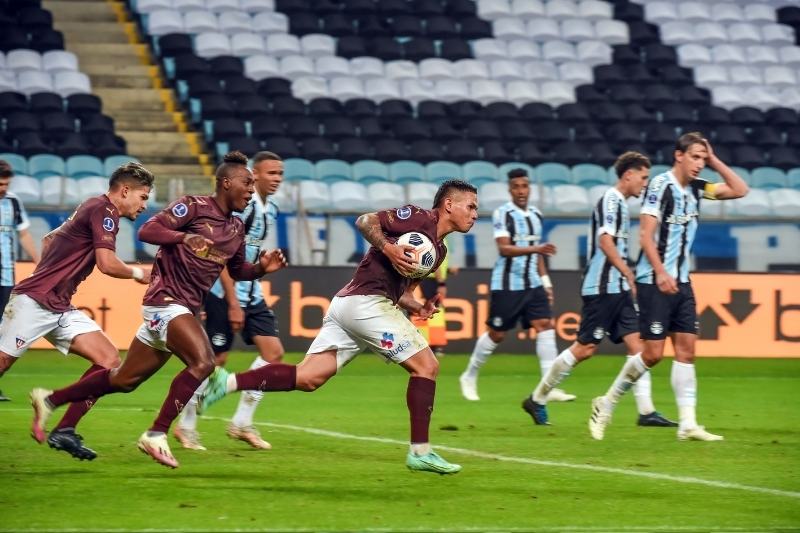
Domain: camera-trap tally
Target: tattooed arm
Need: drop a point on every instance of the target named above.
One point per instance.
(370, 227)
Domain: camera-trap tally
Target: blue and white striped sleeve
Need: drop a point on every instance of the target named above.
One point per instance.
(654, 195)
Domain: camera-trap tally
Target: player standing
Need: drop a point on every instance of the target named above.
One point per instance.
(521, 289)
(608, 293)
(40, 305)
(668, 225)
(198, 236)
(366, 313)
(233, 307)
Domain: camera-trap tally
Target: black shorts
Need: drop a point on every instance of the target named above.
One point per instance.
(660, 314)
(259, 320)
(607, 314)
(507, 308)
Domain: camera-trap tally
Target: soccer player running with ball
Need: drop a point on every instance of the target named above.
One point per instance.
(198, 236)
(667, 228)
(608, 292)
(239, 307)
(367, 313)
(40, 306)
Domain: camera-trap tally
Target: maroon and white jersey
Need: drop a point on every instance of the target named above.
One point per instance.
(69, 258)
(181, 276)
(375, 274)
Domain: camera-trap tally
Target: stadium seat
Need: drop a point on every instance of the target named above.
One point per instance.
(785, 202)
(18, 163)
(333, 170)
(406, 172)
(479, 172)
(313, 196)
(59, 190)
(755, 204)
(588, 174)
(89, 186)
(295, 169)
(768, 178)
(349, 196)
(80, 166)
(368, 171)
(553, 174)
(439, 171)
(111, 163)
(421, 194)
(27, 188)
(44, 165)
(385, 195)
(492, 195)
(570, 199)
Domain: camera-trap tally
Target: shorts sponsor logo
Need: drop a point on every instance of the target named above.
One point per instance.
(400, 347)
(219, 339)
(156, 323)
(656, 328)
(180, 210)
(108, 224)
(497, 321)
(403, 213)
(387, 341)
(599, 333)
(20, 342)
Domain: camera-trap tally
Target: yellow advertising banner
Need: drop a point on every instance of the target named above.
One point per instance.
(740, 315)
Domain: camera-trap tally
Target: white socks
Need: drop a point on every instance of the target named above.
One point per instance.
(642, 392)
(188, 418)
(421, 449)
(546, 349)
(483, 349)
(631, 371)
(249, 400)
(559, 370)
(684, 384)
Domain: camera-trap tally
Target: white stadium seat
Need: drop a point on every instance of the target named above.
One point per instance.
(349, 196)
(678, 33)
(556, 93)
(313, 195)
(577, 30)
(486, 91)
(247, 44)
(318, 45)
(660, 12)
(527, 9)
(220, 6)
(148, 6)
(594, 10)
(492, 195)
(760, 55)
(694, 55)
(755, 204)
(790, 56)
(758, 13)
(710, 33)
(777, 34)
(504, 70)
(540, 71)
(346, 87)
(23, 59)
(332, 66)
(91, 186)
(34, 81)
(402, 69)
(269, 22)
(488, 49)
(762, 97)
(745, 76)
(451, 90)
(59, 60)
(385, 195)
(380, 89)
(594, 52)
(524, 50)
(522, 92)
(68, 83)
(509, 28)
(28, 189)
(471, 69)
(420, 193)
(694, 12)
(367, 67)
(189, 5)
(257, 6)
(744, 33)
(164, 21)
(780, 77)
(728, 54)
(543, 30)
(261, 66)
(212, 44)
(711, 76)
(727, 12)
(576, 73)
(296, 66)
(200, 22)
(282, 44)
(612, 31)
(785, 202)
(310, 87)
(416, 90)
(493, 9)
(59, 190)
(559, 51)
(560, 9)
(436, 69)
(727, 96)
(8, 81)
(570, 199)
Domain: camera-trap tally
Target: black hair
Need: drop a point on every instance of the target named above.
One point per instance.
(517, 173)
(230, 161)
(451, 185)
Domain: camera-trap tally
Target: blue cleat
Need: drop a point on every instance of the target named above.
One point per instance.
(431, 462)
(655, 419)
(68, 441)
(216, 389)
(537, 411)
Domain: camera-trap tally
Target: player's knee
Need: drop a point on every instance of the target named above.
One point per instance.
(497, 336)
(428, 368)
(203, 369)
(307, 383)
(111, 360)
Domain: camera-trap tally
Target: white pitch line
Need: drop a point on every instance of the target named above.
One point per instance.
(539, 462)
(506, 458)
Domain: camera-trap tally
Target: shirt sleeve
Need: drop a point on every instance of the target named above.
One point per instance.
(395, 222)
(165, 227)
(609, 213)
(104, 226)
(499, 228)
(23, 223)
(651, 205)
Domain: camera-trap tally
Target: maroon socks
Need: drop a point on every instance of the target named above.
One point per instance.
(419, 398)
(269, 378)
(76, 410)
(91, 386)
(180, 392)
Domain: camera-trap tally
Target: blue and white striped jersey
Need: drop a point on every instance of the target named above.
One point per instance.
(610, 216)
(258, 217)
(13, 219)
(677, 209)
(523, 228)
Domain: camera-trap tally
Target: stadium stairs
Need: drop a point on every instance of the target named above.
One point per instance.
(133, 92)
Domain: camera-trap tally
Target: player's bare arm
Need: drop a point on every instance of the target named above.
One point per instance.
(109, 264)
(507, 249)
(370, 227)
(733, 187)
(26, 241)
(608, 247)
(647, 231)
(541, 267)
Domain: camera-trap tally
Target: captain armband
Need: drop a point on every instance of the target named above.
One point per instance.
(710, 191)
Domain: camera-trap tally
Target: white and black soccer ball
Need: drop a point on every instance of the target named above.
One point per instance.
(423, 254)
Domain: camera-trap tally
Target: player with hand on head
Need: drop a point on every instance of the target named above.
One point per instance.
(239, 307)
(40, 305)
(667, 227)
(521, 288)
(198, 236)
(367, 313)
(608, 293)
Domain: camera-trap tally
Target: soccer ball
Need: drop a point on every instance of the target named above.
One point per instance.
(423, 254)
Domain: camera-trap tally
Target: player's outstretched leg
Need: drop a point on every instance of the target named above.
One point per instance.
(538, 411)
(65, 439)
(185, 431)
(41, 412)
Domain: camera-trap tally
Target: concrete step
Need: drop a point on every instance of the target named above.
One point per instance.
(110, 69)
(162, 123)
(130, 99)
(122, 82)
(80, 11)
(110, 36)
(115, 50)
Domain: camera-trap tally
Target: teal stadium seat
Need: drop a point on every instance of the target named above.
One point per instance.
(768, 178)
(81, 166)
(505, 168)
(406, 172)
(370, 171)
(710, 175)
(479, 172)
(743, 173)
(439, 171)
(113, 162)
(17, 162)
(44, 165)
(553, 174)
(295, 169)
(793, 177)
(588, 175)
(333, 170)
(655, 170)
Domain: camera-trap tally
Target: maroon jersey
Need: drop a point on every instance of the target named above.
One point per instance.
(375, 274)
(181, 276)
(69, 256)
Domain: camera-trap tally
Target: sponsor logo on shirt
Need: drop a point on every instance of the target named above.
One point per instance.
(610, 218)
(681, 219)
(180, 210)
(108, 224)
(403, 213)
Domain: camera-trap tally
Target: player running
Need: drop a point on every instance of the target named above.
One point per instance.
(608, 293)
(198, 236)
(366, 313)
(668, 225)
(40, 306)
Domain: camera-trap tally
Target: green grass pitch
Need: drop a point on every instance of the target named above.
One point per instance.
(337, 462)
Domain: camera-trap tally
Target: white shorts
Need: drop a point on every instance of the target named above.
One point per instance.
(354, 323)
(153, 331)
(25, 321)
